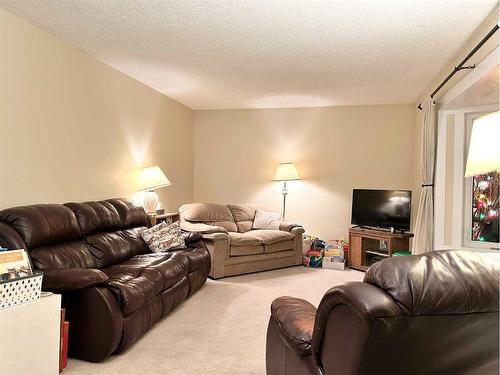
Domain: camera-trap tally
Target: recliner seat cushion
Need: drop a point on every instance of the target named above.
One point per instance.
(143, 277)
(138, 280)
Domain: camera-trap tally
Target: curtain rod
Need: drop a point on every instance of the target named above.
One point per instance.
(461, 66)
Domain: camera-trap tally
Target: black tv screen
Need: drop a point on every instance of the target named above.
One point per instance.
(381, 208)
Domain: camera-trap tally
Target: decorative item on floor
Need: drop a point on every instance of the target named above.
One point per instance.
(335, 254)
(285, 172)
(152, 178)
(63, 339)
(314, 256)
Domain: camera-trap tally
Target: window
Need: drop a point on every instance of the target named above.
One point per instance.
(482, 207)
(485, 208)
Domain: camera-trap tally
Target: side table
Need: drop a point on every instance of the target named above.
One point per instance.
(168, 218)
(30, 337)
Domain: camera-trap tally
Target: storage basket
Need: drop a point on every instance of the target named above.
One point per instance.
(19, 291)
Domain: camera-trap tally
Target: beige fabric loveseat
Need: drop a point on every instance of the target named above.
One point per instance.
(235, 248)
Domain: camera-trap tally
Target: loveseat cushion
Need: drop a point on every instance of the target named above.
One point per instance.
(141, 278)
(243, 216)
(270, 236)
(245, 239)
(42, 224)
(208, 213)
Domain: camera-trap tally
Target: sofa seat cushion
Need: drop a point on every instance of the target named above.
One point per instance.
(270, 236)
(198, 257)
(141, 278)
(279, 246)
(245, 239)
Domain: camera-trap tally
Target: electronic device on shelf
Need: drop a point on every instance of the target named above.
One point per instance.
(381, 209)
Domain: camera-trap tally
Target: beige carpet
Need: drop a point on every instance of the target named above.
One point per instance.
(221, 329)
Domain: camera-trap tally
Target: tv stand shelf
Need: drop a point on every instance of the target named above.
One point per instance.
(365, 246)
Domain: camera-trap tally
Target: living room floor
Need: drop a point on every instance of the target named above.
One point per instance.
(221, 329)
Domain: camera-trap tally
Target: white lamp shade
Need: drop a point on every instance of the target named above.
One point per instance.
(286, 172)
(153, 178)
(484, 148)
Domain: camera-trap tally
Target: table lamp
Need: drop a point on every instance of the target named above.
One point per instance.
(484, 148)
(285, 172)
(152, 178)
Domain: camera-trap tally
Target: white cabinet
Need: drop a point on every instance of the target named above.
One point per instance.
(30, 337)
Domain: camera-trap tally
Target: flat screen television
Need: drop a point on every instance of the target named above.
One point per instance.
(381, 208)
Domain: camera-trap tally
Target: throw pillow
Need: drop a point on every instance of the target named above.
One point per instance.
(164, 237)
(266, 220)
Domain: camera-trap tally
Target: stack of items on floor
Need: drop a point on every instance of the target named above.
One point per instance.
(330, 254)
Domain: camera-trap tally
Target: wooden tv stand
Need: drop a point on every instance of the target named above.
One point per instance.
(365, 244)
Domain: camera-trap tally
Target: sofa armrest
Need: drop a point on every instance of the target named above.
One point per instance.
(294, 319)
(291, 227)
(364, 302)
(201, 228)
(215, 236)
(72, 278)
(191, 237)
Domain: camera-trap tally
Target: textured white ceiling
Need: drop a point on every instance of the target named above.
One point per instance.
(255, 54)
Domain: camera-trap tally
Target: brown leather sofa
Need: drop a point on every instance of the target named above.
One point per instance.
(114, 289)
(235, 248)
(430, 314)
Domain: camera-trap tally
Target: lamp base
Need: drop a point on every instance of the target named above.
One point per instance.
(150, 202)
(284, 192)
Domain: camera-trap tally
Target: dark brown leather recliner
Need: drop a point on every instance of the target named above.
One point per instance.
(114, 289)
(430, 314)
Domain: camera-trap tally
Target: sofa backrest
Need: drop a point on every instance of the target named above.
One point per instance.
(243, 216)
(111, 229)
(208, 213)
(75, 235)
(439, 282)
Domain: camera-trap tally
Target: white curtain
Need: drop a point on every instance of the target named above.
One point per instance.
(424, 226)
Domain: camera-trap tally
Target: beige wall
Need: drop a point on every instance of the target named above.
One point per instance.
(335, 149)
(73, 128)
